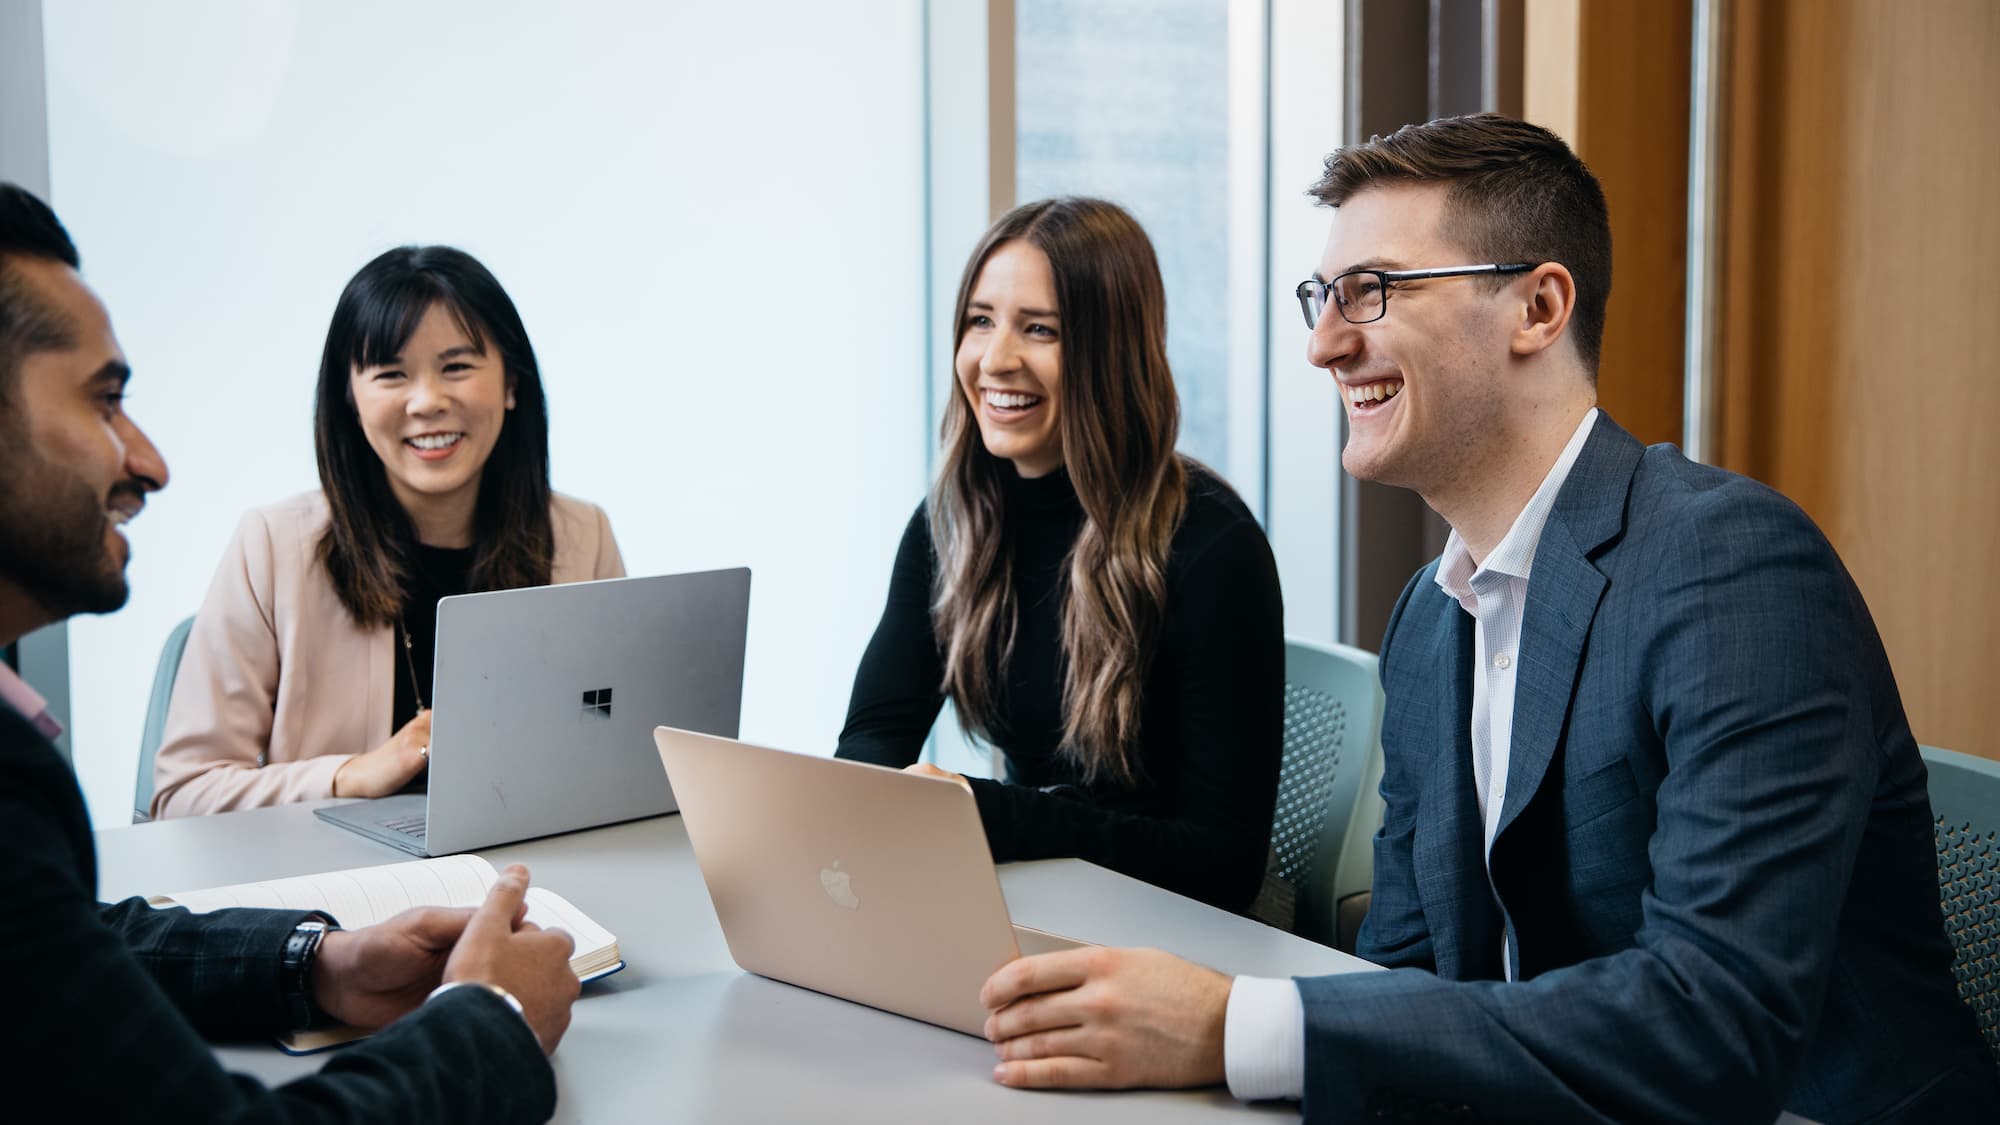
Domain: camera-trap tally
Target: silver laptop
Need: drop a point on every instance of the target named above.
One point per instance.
(543, 700)
(861, 882)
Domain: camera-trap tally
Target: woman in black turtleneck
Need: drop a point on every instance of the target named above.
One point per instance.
(1101, 609)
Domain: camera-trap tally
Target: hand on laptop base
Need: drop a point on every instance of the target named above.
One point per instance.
(1107, 1019)
(925, 769)
(388, 767)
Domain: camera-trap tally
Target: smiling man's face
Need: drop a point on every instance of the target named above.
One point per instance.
(1423, 385)
(73, 467)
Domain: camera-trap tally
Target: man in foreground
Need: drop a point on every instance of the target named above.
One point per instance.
(109, 1004)
(1657, 842)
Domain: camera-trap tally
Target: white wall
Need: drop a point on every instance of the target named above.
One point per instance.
(711, 217)
(1305, 435)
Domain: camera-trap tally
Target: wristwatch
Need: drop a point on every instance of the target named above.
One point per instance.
(295, 971)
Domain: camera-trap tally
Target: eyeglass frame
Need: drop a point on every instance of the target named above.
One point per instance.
(1312, 286)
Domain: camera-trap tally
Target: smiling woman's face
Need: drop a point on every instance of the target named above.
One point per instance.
(1010, 359)
(434, 412)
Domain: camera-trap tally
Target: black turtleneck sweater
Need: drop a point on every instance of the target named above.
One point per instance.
(1198, 819)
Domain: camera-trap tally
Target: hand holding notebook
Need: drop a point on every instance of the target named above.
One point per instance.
(371, 895)
(500, 948)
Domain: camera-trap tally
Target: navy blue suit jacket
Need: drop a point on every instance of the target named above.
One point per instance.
(1714, 859)
(107, 1005)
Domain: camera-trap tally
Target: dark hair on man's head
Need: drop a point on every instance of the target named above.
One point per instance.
(1517, 194)
(369, 542)
(28, 229)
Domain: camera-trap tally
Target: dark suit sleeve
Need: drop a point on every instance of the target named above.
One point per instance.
(1751, 666)
(1395, 934)
(221, 970)
(92, 1035)
(1225, 669)
(897, 689)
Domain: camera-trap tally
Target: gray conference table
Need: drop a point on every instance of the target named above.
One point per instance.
(683, 1034)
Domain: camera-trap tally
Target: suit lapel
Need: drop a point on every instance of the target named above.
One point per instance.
(31, 763)
(1562, 599)
(1458, 900)
(1563, 594)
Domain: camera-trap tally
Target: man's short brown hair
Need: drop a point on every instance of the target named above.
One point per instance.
(1517, 194)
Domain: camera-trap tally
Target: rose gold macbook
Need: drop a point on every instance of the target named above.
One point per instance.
(861, 882)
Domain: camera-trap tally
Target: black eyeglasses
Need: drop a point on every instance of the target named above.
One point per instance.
(1362, 296)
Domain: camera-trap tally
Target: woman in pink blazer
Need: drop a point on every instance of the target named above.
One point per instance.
(308, 671)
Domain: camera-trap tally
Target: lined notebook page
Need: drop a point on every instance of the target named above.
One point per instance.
(365, 896)
(552, 911)
(359, 897)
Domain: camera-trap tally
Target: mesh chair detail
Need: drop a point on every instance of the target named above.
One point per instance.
(1316, 730)
(1965, 797)
(1327, 808)
(156, 718)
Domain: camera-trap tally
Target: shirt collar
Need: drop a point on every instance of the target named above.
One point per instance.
(1515, 555)
(15, 693)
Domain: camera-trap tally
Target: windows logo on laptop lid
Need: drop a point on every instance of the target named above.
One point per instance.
(544, 699)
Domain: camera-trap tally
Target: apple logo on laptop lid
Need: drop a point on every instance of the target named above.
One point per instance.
(839, 886)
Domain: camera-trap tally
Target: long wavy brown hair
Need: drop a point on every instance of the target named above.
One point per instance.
(1118, 419)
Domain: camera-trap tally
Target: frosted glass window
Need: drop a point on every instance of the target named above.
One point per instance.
(1129, 100)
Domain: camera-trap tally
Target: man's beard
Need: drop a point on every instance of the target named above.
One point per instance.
(52, 535)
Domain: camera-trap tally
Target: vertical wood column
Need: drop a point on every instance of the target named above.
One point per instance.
(1855, 370)
(1612, 79)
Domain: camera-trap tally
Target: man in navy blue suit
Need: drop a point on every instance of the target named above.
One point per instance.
(1657, 842)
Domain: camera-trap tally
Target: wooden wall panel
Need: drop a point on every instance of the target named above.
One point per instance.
(1612, 79)
(1860, 291)
(1552, 37)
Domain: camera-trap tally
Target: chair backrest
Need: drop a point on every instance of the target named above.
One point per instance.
(1328, 806)
(1965, 797)
(156, 718)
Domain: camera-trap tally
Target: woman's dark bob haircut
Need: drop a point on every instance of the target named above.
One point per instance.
(369, 538)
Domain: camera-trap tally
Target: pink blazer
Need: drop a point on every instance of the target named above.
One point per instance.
(279, 686)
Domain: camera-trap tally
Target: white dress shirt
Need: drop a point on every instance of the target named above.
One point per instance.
(1263, 1030)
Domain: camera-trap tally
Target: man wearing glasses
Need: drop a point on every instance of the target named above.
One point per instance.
(1657, 842)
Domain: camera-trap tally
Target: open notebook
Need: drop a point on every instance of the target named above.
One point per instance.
(364, 896)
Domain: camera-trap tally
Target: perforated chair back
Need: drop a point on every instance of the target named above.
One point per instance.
(1328, 806)
(1965, 796)
(156, 718)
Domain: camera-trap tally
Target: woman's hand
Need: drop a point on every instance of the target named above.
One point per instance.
(390, 766)
(925, 769)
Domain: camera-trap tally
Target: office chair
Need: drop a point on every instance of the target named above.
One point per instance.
(156, 718)
(1328, 801)
(1965, 797)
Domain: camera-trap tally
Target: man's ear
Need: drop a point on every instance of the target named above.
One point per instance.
(1549, 294)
